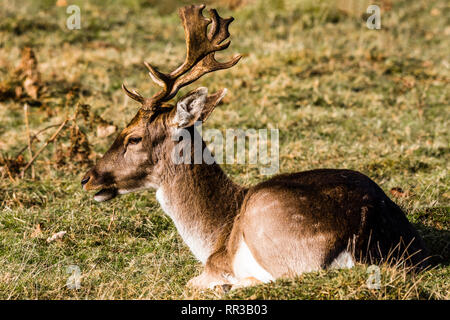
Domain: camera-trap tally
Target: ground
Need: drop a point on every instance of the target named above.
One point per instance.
(341, 95)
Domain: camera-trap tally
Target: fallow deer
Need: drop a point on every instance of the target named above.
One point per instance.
(287, 225)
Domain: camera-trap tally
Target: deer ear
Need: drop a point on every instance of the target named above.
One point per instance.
(211, 102)
(196, 106)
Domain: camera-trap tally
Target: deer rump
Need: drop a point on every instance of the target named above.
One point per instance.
(326, 218)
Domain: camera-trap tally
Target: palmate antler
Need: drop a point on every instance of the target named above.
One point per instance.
(200, 49)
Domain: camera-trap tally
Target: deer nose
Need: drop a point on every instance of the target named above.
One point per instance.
(85, 180)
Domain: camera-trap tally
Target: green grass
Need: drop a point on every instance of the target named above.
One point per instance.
(343, 96)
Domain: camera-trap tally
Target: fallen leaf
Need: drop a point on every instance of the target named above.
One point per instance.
(399, 193)
(61, 3)
(435, 12)
(56, 236)
(37, 232)
(29, 74)
(105, 131)
(31, 88)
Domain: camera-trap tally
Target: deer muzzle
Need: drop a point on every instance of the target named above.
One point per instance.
(94, 181)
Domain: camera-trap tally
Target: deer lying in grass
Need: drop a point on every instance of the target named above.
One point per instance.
(290, 224)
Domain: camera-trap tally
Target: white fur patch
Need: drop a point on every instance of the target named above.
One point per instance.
(192, 236)
(147, 185)
(343, 260)
(245, 265)
(104, 195)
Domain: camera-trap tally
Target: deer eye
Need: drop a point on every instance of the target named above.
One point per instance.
(134, 140)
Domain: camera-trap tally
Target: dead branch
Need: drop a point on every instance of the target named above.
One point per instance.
(34, 137)
(52, 138)
(8, 171)
(25, 109)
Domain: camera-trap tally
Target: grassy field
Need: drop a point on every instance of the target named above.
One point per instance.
(342, 96)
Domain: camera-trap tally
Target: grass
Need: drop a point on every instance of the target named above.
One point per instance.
(343, 96)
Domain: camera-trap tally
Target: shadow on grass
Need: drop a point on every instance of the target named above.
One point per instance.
(438, 242)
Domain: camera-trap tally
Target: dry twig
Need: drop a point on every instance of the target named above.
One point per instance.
(25, 109)
(34, 137)
(52, 138)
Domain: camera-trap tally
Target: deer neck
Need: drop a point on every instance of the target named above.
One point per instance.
(202, 201)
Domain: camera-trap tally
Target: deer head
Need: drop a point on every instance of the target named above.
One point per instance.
(137, 158)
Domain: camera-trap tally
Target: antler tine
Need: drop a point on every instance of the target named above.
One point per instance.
(158, 77)
(133, 94)
(197, 44)
(208, 64)
(219, 29)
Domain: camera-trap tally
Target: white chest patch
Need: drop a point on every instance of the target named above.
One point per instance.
(190, 232)
(343, 260)
(245, 265)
